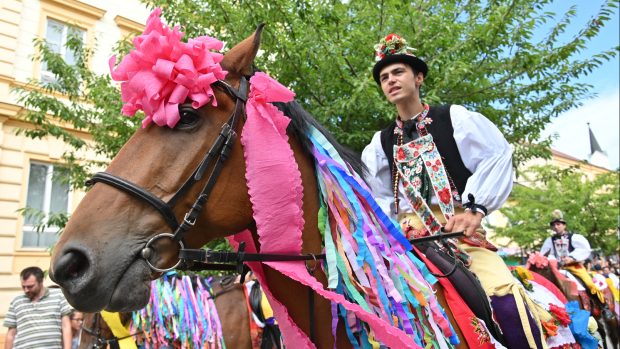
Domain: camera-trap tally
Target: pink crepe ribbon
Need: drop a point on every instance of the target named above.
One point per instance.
(276, 193)
(163, 72)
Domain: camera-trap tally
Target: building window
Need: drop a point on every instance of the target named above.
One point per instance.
(48, 194)
(56, 35)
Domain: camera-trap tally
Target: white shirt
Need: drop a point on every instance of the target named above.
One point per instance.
(614, 279)
(581, 246)
(483, 149)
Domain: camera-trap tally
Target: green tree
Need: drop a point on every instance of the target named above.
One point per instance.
(483, 55)
(590, 207)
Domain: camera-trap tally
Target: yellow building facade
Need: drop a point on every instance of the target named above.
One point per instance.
(26, 165)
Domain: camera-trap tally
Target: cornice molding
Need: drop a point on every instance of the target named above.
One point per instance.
(128, 25)
(82, 8)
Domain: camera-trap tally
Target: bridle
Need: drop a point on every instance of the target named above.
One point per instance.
(199, 259)
(95, 331)
(100, 341)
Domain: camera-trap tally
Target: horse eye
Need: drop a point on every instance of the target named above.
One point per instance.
(189, 118)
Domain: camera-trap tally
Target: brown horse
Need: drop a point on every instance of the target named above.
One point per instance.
(231, 303)
(98, 260)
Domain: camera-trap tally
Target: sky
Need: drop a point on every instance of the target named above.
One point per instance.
(603, 111)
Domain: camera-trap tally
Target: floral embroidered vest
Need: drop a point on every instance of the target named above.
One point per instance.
(443, 135)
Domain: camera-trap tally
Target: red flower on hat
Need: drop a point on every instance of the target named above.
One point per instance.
(391, 36)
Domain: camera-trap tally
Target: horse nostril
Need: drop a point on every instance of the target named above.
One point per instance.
(70, 266)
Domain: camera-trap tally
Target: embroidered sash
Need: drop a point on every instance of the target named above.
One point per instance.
(410, 158)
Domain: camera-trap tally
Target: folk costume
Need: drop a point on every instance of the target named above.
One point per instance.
(446, 159)
(575, 246)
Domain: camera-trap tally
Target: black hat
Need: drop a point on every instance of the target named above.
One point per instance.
(557, 217)
(394, 49)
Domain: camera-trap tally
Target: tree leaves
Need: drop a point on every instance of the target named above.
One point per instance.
(590, 206)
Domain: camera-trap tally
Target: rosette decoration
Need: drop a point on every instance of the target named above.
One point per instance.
(392, 44)
(538, 260)
(162, 72)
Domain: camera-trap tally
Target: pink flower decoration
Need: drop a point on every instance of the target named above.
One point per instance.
(538, 260)
(163, 72)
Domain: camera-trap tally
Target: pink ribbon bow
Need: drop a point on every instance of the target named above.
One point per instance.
(163, 72)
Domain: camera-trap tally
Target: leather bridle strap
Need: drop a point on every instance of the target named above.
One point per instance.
(162, 207)
(219, 150)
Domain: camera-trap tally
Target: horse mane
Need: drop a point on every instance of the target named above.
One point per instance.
(301, 120)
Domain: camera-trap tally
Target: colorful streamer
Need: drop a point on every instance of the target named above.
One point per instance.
(181, 312)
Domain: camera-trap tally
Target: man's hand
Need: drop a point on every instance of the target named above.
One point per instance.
(568, 260)
(10, 337)
(467, 222)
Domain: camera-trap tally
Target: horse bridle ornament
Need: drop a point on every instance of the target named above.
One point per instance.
(199, 259)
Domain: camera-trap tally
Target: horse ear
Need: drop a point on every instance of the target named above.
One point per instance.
(241, 57)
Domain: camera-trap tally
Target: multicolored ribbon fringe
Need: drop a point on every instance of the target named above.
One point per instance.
(181, 312)
(368, 258)
(372, 276)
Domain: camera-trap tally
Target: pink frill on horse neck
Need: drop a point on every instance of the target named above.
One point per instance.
(273, 178)
(276, 193)
(275, 188)
(162, 72)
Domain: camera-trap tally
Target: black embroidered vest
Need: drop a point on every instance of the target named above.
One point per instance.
(570, 241)
(443, 135)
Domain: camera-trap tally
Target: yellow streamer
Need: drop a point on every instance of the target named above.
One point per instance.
(582, 273)
(114, 322)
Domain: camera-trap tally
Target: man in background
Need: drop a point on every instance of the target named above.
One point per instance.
(39, 318)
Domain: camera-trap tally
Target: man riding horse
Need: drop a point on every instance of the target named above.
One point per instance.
(571, 250)
(426, 161)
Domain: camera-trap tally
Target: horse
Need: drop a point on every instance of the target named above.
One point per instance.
(231, 303)
(101, 261)
(607, 326)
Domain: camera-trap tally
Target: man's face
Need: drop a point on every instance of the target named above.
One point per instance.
(399, 83)
(31, 287)
(558, 227)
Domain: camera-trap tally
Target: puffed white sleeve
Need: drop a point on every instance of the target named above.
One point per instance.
(486, 154)
(546, 247)
(581, 248)
(378, 176)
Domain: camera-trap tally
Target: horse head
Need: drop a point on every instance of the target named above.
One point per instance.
(98, 260)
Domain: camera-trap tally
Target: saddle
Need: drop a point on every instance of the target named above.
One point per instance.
(465, 282)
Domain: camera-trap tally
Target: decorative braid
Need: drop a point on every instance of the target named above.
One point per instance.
(396, 176)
